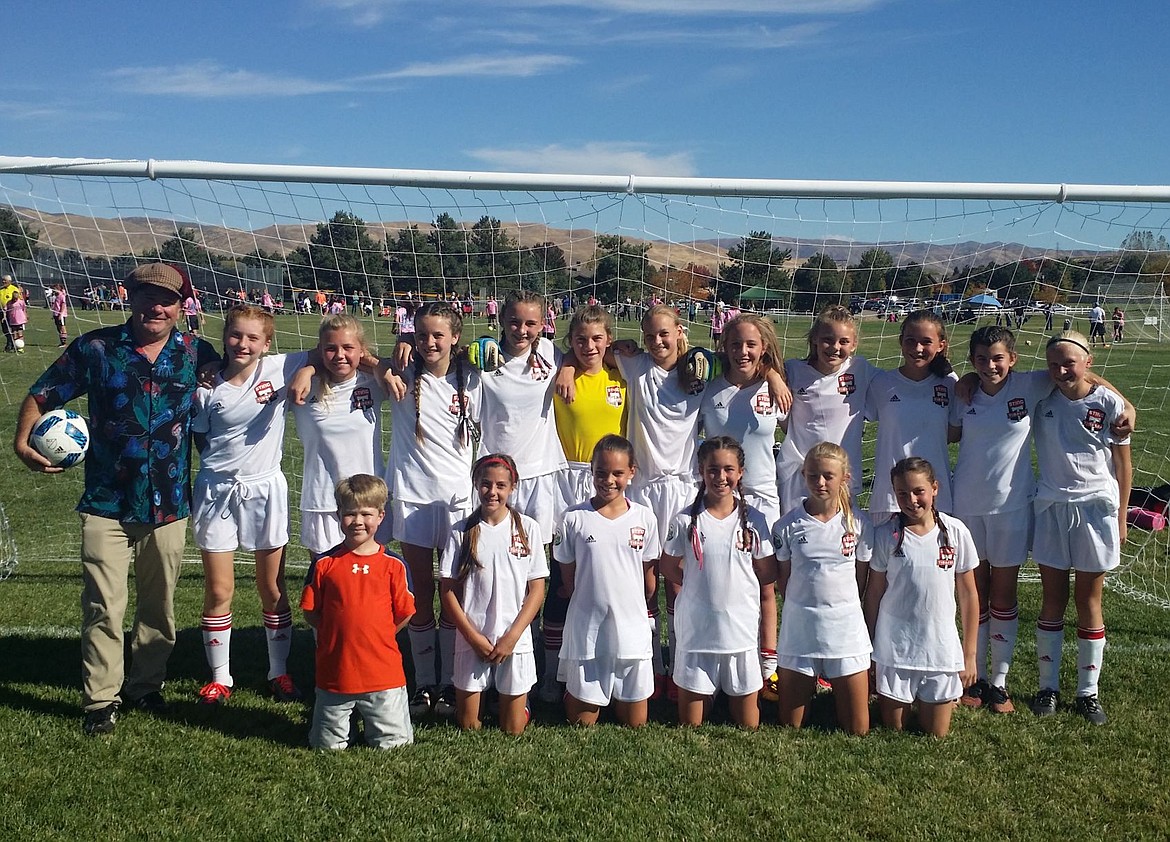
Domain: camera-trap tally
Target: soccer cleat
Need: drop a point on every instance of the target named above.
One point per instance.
(997, 700)
(771, 689)
(445, 702)
(152, 703)
(1090, 708)
(1045, 702)
(823, 686)
(977, 695)
(421, 702)
(214, 694)
(283, 690)
(101, 721)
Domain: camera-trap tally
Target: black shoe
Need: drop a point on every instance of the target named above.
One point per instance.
(101, 721)
(1045, 702)
(152, 703)
(997, 700)
(976, 696)
(445, 703)
(1090, 708)
(421, 702)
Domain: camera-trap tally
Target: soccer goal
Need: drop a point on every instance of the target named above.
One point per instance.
(1032, 256)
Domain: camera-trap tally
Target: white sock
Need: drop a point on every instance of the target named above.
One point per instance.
(217, 644)
(1049, 640)
(1004, 628)
(278, 632)
(422, 649)
(981, 642)
(1090, 654)
(446, 653)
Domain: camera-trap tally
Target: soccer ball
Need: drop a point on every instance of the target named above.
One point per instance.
(484, 354)
(61, 436)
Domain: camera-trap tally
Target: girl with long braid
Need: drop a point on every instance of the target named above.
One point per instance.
(493, 571)
(923, 561)
(719, 552)
(435, 426)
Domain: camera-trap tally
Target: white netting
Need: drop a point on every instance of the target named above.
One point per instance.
(438, 234)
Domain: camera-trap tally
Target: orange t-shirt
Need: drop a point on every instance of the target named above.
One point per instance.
(360, 600)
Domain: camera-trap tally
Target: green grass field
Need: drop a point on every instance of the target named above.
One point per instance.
(243, 771)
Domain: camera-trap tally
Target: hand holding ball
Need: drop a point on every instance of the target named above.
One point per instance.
(61, 436)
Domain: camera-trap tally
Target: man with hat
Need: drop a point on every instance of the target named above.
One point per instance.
(8, 291)
(140, 380)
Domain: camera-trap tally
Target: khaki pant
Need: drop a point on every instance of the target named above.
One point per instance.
(107, 550)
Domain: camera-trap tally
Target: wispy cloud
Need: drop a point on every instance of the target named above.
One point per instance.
(27, 111)
(211, 80)
(521, 65)
(594, 158)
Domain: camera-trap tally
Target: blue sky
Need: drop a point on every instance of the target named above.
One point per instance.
(819, 89)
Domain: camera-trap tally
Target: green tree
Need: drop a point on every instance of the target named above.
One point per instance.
(413, 263)
(1144, 241)
(755, 261)
(816, 284)
(341, 256)
(623, 268)
(449, 242)
(183, 249)
(492, 255)
(543, 267)
(869, 276)
(17, 240)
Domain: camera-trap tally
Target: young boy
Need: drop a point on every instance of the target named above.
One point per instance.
(357, 598)
(1085, 474)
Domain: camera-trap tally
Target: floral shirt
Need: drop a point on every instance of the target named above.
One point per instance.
(139, 462)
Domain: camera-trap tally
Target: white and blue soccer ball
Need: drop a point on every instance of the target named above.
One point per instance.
(61, 436)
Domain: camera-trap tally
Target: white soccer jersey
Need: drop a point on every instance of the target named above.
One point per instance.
(517, 415)
(912, 418)
(825, 407)
(993, 473)
(607, 611)
(663, 420)
(342, 435)
(718, 608)
(916, 617)
(437, 470)
(1074, 447)
(244, 424)
(822, 615)
(749, 416)
(493, 593)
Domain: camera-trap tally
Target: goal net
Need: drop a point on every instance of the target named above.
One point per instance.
(1033, 256)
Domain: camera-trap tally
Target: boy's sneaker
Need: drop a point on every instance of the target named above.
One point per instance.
(101, 721)
(977, 695)
(445, 703)
(421, 702)
(997, 700)
(213, 694)
(152, 703)
(283, 690)
(1090, 708)
(1045, 702)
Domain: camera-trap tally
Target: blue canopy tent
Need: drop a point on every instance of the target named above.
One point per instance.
(984, 299)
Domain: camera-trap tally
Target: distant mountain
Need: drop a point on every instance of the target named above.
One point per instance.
(97, 236)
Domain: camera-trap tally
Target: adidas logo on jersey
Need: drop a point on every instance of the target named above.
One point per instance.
(971, 411)
(719, 405)
(590, 540)
(1048, 414)
(802, 540)
(895, 399)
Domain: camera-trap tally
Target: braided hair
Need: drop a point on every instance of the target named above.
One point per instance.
(466, 428)
(527, 296)
(706, 450)
(468, 560)
(918, 465)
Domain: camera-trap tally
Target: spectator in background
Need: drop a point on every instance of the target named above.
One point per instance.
(1096, 324)
(8, 290)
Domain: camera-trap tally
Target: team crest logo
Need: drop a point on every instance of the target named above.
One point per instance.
(946, 558)
(613, 395)
(848, 544)
(1017, 409)
(264, 391)
(458, 404)
(763, 405)
(846, 385)
(637, 538)
(1094, 420)
(362, 398)
(518, 549)
(942, 397)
